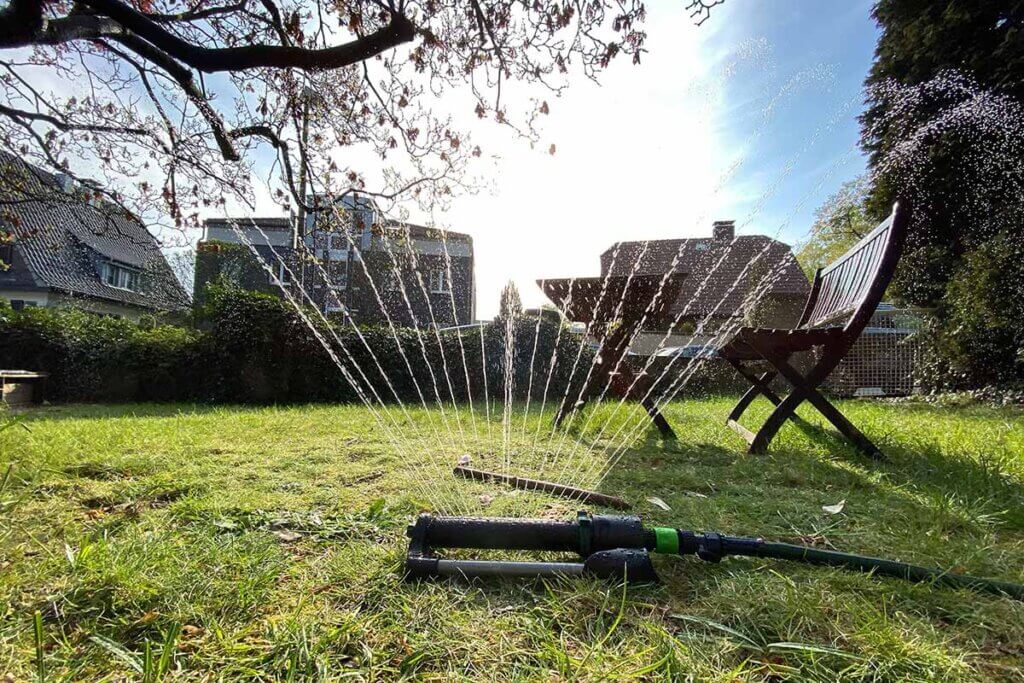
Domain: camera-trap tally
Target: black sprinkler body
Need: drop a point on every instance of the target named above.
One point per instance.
(611, 546)
(618, 547)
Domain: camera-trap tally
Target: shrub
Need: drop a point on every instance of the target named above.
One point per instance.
(978, 337)
(255, 348)
(93, 358)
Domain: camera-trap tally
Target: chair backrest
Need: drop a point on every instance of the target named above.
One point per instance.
(850, 288)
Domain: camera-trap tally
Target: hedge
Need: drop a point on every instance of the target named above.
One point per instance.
(254, 348)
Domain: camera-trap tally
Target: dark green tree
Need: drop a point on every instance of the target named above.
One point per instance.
(944, 128)
(511, 303)
(948, 76)
(979, 338)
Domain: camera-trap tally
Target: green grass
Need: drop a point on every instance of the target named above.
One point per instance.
(199, 543)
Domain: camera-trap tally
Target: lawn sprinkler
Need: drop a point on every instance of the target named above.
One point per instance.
(619, 546)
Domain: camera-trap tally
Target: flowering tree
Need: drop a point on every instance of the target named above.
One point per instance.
(169, 104)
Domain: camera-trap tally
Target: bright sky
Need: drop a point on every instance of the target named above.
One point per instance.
(751, 116)
(648, 153)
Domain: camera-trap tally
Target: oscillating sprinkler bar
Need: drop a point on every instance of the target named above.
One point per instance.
(617, 546)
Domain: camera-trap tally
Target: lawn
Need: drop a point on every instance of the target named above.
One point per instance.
(235, 543)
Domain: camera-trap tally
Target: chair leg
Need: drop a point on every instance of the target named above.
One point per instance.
(771, 426)
(565, 409)
(760, 383)
(845, 427)
(658, 419)
(809, 390)
(758, 387)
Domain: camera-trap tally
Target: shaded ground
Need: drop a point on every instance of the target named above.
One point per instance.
(269, 541)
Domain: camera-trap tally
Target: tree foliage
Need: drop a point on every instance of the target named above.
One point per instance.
(943, 129)
(979, 339)
(511, 305)
(839, 223)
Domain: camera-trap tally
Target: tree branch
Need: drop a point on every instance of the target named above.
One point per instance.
(65, 125)
(184, 79)
(211, 60)
(196, 15)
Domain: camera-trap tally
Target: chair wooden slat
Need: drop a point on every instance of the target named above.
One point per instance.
(842, 299)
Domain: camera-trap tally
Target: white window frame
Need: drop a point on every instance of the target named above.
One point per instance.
(282, 277)
(123, 277)
(439, 283)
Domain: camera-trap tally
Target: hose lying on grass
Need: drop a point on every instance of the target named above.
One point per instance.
(618, 546)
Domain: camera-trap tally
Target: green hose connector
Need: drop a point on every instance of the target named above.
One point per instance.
(666, 540)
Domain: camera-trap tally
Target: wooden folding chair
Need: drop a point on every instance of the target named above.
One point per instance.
(842, 300)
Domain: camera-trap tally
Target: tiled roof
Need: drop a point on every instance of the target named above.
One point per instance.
(263, 222)
(61, 239)
(714, 264)
(424, 232)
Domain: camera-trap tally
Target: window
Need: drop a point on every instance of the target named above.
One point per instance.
(333, 303)
(439, 281)
(283, 276)
(6, 252)
(121, 277)
(337, 274)
(338, 242)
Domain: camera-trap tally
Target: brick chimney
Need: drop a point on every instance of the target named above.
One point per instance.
(723, 231)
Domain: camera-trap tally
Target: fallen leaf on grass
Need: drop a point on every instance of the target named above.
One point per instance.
(148, 617)
(658, 503)
(190, 631)
(287, 536)
(465, 459)
(834, 509)
(694, 494)
(486, 499)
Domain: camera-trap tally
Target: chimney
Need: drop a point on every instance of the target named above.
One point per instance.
(723, 231)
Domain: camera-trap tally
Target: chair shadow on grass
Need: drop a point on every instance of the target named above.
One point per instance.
(925, 467)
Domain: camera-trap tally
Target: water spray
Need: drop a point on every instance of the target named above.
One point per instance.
(619, 547)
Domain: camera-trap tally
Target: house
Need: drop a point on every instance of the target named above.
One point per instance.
(754, 278)
(224, 253)
(63, 245)
(351, 262)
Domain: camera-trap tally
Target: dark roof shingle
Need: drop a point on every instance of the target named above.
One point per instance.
(713, 267)
(61, 238)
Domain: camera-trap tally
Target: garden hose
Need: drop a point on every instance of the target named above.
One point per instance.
(617, 546)
(712, 547)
